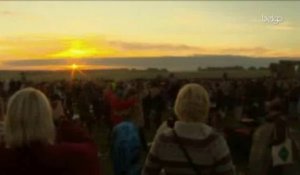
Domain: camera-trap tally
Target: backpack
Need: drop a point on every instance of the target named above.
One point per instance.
(284, 152)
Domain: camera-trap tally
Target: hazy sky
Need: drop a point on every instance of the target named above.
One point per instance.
(101, 29)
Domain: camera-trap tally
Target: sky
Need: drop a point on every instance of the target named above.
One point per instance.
(79, 30)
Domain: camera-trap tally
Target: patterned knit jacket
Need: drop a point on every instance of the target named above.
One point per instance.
(207, 148)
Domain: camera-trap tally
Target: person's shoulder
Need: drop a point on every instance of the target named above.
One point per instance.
(79, 151)
(8, 158)
(217, 136)
(295, 135)
(163, 130)
(77, 158)
(77, 155)
(266, 127)
(190, 137)
(1, 124)
(163, 133)
(4, 152)
(124, 125)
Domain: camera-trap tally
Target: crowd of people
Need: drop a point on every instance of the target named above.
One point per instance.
(46, 127)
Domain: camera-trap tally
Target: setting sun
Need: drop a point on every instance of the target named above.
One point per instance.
(74, 66)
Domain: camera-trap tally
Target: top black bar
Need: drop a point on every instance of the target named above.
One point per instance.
(154, 0)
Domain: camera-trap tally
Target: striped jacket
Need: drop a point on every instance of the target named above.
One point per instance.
(207, 148)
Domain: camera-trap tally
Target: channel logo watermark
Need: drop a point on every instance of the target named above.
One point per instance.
(272, 19)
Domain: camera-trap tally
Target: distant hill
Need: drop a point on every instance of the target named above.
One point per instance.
(187, 63)
(170, 63)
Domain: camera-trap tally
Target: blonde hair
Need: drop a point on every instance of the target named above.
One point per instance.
(28, 119)
(192, 103)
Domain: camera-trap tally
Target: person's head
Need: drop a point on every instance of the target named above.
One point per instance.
(192, 103)
(274, 109)
(130, 113)
(131, 93)
(29, 119)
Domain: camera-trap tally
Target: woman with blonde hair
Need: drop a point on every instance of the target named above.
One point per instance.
(30, 141)
(191, 146)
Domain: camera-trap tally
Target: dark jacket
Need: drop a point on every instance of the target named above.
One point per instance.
(74, 154)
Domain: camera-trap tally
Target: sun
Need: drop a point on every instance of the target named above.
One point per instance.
(74, 66)
(75, 69)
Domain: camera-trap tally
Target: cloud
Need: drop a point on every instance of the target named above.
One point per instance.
(20, 15)
(152, 46)
(54, 47)
(30, 47)
(35, 62)
(246, 50)
(7, 13)
(283, 27)
(86, 47)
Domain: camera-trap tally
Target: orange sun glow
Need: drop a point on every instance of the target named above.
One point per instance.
(74, 66)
